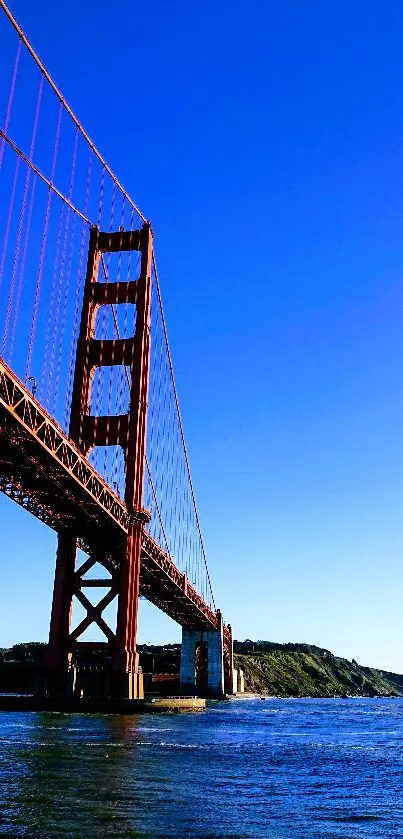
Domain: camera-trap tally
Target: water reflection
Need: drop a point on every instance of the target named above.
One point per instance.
(69, 776)
(245, 770)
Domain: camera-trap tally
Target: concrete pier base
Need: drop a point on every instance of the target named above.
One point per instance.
(198, 675)
(238, 681)
(91, 683)
(73, 705)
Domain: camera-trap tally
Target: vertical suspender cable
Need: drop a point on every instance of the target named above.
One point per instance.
(181, 426)
(22, 272)
(43, 251)
(77, 296)
(22, 220)
(10, 100)
(166, 454)
(64, 280)
(9, 219)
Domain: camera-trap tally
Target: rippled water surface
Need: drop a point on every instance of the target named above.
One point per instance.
(279, 769)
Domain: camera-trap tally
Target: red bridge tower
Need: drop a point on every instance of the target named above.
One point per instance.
(128, 431)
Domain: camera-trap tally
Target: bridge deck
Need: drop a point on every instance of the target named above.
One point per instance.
(46, 474)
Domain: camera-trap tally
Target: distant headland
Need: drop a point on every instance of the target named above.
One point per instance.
(283, 670)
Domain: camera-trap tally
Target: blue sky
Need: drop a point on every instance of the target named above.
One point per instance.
(265, 144)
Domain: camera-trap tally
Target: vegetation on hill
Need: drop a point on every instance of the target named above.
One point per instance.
(304, 670)
(29, 652)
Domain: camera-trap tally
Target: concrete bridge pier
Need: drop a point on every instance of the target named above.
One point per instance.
(202, 669)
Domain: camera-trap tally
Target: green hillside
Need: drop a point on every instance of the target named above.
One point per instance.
(303, 670)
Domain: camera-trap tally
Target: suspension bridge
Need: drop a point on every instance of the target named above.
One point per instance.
(91, 436)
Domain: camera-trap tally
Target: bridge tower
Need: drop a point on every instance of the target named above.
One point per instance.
(121, 563)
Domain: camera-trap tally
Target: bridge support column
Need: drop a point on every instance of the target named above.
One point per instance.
(89, 429)
(127, 680)
(57, 653)
(212, 682)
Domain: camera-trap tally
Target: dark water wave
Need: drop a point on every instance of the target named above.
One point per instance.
(278, 769)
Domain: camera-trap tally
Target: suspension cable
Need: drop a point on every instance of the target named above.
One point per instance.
(66, 201)
(71, 113)
(11, 97)
(182, 433)
(115, 321)
(41, 175)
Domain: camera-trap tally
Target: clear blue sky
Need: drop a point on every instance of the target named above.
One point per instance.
(265, 142)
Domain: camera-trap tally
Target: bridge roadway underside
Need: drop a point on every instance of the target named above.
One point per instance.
(45, 473)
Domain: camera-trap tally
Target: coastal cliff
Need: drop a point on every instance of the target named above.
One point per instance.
(305, 670)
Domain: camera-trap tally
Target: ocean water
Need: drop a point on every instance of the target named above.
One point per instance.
(278, 769)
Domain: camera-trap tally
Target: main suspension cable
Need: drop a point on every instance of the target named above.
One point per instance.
(71, 113)
(53, 189)
(40, 174)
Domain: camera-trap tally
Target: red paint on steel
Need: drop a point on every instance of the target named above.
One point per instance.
(127, 430)
(44, 472)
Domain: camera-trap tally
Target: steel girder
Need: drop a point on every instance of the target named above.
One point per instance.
(42, 471)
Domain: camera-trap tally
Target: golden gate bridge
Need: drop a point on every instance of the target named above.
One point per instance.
(91, 436)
